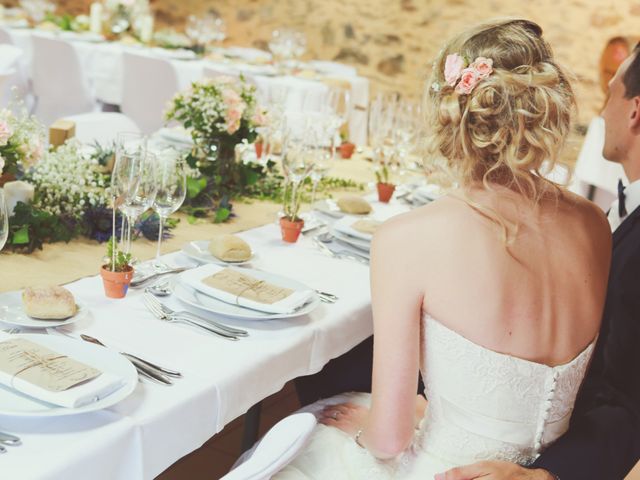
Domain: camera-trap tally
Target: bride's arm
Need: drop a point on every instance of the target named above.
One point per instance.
(397, 293)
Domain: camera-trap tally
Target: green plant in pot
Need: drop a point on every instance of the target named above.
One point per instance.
(117, 272)
(384, 186)
(291, 224)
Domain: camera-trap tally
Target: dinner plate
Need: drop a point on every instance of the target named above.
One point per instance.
(105, 360)
(345, 226)
(355, 242)
(14, 314)
(194, 298)
(199, 250)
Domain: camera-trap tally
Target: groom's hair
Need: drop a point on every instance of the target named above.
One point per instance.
(631, 77)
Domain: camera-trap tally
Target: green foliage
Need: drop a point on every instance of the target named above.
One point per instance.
(122, 260)
(30, 228)
(382, 175)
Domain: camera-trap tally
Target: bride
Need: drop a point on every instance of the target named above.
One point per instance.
(494, 292)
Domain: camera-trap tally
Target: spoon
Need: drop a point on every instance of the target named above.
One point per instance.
(161, 289)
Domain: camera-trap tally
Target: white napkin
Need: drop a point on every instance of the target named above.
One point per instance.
(345, 227)
(74, 397)
(278, 447)
(193, 278)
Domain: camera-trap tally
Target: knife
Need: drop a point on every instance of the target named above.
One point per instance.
(10, 440)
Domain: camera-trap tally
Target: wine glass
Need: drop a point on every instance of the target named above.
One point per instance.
(4, 220)
(171, 181)
(127, 143)
(321, 139)
(297, 162)
(339, 101)
(134, 181)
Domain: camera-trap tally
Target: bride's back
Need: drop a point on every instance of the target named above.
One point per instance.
(509, 260)
(539, 297)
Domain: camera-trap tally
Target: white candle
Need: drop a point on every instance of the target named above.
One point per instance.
(146, 29)
(17, 191)
(95, 18)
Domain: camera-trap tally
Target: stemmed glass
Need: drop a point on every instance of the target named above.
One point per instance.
(297, 162)
(134, 183)
(4, 220)
(339, 102)
(321, 142)
(171, 191)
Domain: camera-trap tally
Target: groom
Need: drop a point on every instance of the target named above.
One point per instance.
(603, 441)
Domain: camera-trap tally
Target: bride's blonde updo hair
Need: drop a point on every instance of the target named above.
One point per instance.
(512, 125)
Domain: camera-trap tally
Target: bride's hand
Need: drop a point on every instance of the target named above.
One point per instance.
(494, 470)
(348, 417)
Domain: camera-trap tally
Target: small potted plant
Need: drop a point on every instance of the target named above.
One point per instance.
(346, 149)
(385, 189)
(290, 224)
(117, 272)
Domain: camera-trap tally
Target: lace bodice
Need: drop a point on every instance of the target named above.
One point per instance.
(487, 405)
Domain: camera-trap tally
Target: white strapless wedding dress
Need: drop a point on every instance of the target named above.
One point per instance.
(483, 405)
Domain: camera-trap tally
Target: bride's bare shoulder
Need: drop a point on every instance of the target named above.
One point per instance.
(423, 224)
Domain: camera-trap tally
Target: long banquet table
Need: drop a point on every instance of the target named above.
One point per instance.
(147, 432)
(102, 63)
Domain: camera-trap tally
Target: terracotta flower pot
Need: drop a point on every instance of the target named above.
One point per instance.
(258, 146)
(346, 150)
(290, 229)
(116, 284)
(385, 191)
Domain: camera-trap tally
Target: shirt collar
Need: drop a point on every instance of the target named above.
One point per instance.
(632, 196)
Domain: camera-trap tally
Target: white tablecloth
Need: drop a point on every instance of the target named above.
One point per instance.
(146, 433)
(102, 63)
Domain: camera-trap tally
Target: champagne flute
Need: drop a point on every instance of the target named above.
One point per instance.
(4, 220)
(171, 191)
(135, 185)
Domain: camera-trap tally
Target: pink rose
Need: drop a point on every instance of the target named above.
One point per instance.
(234, 114)
(231, 97)
(468, 80)
(5, 133)
(259, 118)
(453, 66)
(233, 126)
(483, 65)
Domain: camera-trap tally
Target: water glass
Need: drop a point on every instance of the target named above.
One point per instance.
(4, 220)
(171, 179)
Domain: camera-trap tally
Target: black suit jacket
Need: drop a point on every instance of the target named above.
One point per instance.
(603, 441)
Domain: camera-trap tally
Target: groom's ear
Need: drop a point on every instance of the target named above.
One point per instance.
(634, 119)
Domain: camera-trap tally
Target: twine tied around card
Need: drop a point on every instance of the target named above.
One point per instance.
(252, 286)
(37, 361)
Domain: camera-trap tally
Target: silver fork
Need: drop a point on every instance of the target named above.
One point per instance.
(160, 314)
(184, 313)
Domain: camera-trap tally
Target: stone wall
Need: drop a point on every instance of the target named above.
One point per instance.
(393, 41)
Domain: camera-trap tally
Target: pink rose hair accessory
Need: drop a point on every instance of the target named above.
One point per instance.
(462, 77)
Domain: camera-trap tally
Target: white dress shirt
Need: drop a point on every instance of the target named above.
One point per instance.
(631, 202)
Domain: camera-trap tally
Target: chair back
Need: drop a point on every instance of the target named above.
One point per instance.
(59, 83)
(148, 85)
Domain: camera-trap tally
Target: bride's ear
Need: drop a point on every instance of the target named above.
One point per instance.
(634, 120)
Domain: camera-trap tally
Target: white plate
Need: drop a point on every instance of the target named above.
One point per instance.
(358, 243)
(192, 297)
(199, 250)
(15, 315)
(105, 360)
(344, 226)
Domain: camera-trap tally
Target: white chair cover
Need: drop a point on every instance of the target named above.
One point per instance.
(5, 36)
(101, 127)
(60, 86)
(277, 448)
(15, 85)
(148, 85)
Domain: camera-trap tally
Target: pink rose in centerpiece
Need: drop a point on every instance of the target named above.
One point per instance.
(231, 97)
(259, 118)
(453, 66)
(468, 80)
(233, 126)
(5, 133)
(483, 65)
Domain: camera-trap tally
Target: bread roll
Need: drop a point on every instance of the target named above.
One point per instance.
(229, 248)
(354, 204)
(49, 303)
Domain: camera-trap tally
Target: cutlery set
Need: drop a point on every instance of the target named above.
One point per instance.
(6, 439)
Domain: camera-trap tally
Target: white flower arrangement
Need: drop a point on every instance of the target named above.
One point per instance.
(68, 181)
(22, 141)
